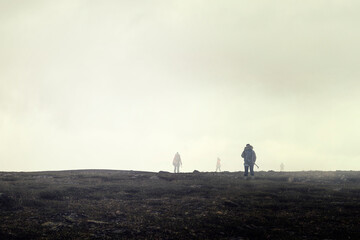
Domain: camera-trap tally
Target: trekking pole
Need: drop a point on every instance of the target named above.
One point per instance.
(256, 165)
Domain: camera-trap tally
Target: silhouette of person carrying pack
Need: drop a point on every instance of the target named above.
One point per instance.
(249, 160)
(218, 165)
(177, 163)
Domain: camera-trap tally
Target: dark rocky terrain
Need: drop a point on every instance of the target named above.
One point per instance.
(101, 204)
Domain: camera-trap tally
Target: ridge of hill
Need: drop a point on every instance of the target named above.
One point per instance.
(118, 204)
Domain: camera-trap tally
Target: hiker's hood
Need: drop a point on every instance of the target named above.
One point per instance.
(249, 147)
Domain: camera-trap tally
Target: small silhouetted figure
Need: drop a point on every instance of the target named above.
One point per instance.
(282, 166)
(177, 162)
(249, 159)
(218, 165)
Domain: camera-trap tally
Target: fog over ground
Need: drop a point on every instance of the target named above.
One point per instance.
(127, 84)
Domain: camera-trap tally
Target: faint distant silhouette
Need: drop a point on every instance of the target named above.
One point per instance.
(249, 159)
(177, 163)
(282, 166)
(218, 165)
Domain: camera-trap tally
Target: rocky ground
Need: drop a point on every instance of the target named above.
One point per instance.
(100, 204)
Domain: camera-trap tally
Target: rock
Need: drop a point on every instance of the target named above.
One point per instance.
(74, 217)
(96, 222)
(230, 203)
(196, 171)
(54, 226)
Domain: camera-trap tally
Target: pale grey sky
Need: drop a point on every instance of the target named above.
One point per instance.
(126, 84)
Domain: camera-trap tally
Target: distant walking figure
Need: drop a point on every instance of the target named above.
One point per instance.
(249, 159)
(282, 166)
(218, 165)
(177, 162)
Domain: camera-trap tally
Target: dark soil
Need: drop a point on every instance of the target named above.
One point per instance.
(101, 204)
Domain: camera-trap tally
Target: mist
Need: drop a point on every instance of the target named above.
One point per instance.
(126, 85)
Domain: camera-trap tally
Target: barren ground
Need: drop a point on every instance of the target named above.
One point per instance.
(102, 204)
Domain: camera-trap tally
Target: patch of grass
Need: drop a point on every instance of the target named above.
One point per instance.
(51, 195)
(32, 203)
(9, 179)
(7, 202)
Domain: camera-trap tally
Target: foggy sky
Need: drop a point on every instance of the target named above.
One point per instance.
(127, 84)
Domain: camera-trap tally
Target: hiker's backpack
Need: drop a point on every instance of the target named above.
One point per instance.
(249, 155)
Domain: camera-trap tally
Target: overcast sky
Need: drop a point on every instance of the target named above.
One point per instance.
(127, 84)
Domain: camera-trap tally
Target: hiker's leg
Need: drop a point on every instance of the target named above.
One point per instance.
(252, 170)
(246, 170)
